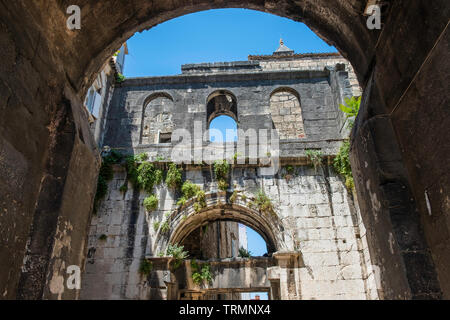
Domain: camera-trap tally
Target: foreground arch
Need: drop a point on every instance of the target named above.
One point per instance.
(401, 177)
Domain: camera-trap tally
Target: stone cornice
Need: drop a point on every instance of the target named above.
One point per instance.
(225, 77)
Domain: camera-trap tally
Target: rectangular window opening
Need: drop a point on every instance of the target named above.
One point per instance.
(165, 137)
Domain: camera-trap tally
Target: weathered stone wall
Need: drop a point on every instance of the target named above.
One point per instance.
(317, 216)
(287, 115)
(293, 64)
(318, 219)
(319, 105)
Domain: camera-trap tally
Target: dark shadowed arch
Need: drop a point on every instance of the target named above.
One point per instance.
(221, 103)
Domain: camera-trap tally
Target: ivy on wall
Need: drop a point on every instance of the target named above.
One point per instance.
(201, 274)
(342, 165)
(106, 174)
(221, 170)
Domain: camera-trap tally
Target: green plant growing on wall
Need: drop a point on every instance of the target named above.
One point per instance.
(289, 172)
(189, 191)
(144, 176)
(151, 203)
(174, 177)
(289, 169)
(159, 158)
(201, 274)
(181, 202)
(177, 252)
(244, 253)
(132, 164)
(165, 227)
(200, 201)
(106, 174)
(222, 185)
(315, 157)
(124, 187)
(148, 176)
(221, 170)
(342, 165)
(351, 108)
(156, 225)
(103, 237)
(120, 77)
(233, 197)
(263, 203)
(146, 267)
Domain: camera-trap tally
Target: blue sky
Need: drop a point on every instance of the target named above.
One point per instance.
(215, 36)
(222, 124)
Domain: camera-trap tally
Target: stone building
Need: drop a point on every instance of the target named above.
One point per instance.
(315, 237)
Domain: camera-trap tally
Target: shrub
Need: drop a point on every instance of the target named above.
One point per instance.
(221, 169)
(289, 169)
(201, 274)
(200, 201)
(106, 173)
(177, 252)
(165, 227)
(234, 196)
(143, 175)
(222, 185)
(120, 77)
(156, 225)
(148, 176)
(151, 203)
(315, 156)
(342, 165)
(263, 203)
(145, 268)
(244, 253)
(351, 108)
(124, 187)
(181, 202)
(189, 191)
(103, 237)
(174, 178)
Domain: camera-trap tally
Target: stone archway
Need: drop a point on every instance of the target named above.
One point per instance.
(186, 219)
(48, 68)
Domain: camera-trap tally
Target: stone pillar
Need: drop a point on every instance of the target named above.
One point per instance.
(288, 265)
(394, 231)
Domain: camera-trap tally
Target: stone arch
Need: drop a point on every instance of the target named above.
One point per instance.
(50, 68)
(286, 111)
(186, 220)
(157, 118)
(221, 102)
